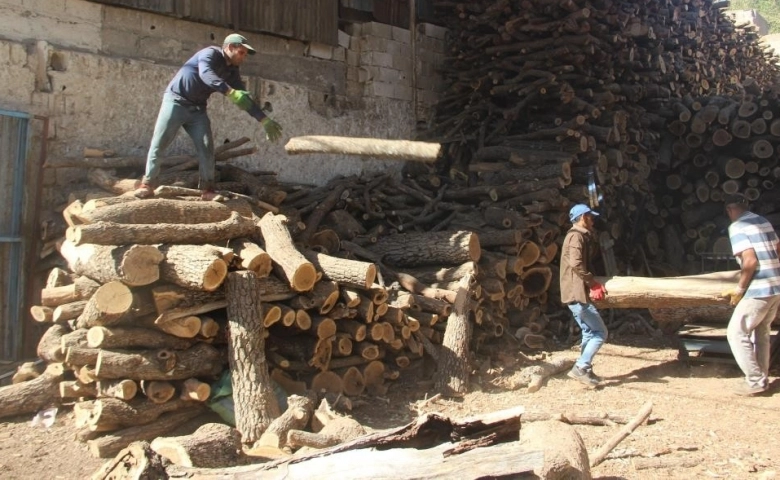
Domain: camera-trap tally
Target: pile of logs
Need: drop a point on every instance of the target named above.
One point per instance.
(570, 94)
(721, 145)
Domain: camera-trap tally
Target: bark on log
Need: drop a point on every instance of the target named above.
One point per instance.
(414, 249)
(667, 292)
(213, 445)
(134, 337)
(124, 389)
(252, 256)
(50, 345)
(157, 391)
(255, 403)
(345, 272)
(109, 233)
(111, 444)
(565, 455)
(134, 265)
(172, 211)
(198, 361)
(365, 147)
(81, 289)
(296, 417)
(68, 311)
(299, 272)
(197, 267)
(113, 414)
(137, 461)
(452, 375)
(32, 395)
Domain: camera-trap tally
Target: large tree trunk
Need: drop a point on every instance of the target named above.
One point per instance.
(293, 266)
(668, 292)
(200, 360)
(365, 147)
(171, 211)
(255, 403)
(452, 375)
(134, 265)
(414, 249)
(109, 233)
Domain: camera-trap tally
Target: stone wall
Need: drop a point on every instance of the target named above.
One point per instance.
(98, 73)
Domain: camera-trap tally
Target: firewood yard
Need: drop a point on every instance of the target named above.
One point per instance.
(410, 318)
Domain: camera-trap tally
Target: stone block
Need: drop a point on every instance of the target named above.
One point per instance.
(320, 50)
(402, 35)
(343, 39)
(89, 12)
(354, 43)
(122, 19)
(161, 26)
(339, 54)
(381, 59)
(402, 92)
(377, 29)
(402, 63)
(394, 48)
(353, 58)
(366, 58)
(353, 74)
(17, 54)
(391, 75)
(373, 44)
(355, 89)
(159, 47)
(367, 73)
(354, 29)
(435, 31)
(380, 89)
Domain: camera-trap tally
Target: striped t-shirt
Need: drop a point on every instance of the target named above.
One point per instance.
(754, 231)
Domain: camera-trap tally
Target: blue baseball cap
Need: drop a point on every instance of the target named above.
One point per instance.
(579, 210)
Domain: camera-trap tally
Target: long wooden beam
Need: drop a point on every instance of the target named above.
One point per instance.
(365, 147)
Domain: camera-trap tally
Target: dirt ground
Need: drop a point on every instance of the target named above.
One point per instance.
(695, 417)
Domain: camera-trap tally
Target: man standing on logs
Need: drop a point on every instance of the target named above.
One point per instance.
(575, 277)
(210, 70)
(757, 294)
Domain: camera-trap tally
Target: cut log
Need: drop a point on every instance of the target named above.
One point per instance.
(107, 306)
(68, 311)
(365, 147)
(336, 431)
(50, 345)
(452, 375)
(157, 391)
(32, 395)
(565, 455)
(109, 233)
(351, 273)
(134, 265)
(667, 292)
(113, 414)
(137, 461)
(252, 256)
(196, 267)
(124, 389)
(213, 445)
(111, 444)
(81, 289)
(42, 314)
(293, 266)
(59, 277)
(194, 390)
(625, 431)
(413, 249)
(296, 417)
(200, 360)
(255, 403)
(171, 211)
(134, 337)
(76, 389)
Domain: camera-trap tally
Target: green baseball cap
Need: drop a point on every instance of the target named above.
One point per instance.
(235, 38)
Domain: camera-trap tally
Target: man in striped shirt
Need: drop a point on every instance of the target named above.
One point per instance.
(756, 296)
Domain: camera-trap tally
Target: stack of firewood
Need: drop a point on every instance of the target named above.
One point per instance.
(722, 145)
(575, 93)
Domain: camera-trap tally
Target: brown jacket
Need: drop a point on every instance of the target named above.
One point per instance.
(575, 258)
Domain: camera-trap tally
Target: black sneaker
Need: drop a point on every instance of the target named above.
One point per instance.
(593, 375)
(583, 376)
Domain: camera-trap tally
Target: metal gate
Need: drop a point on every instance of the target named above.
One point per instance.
(14, 138)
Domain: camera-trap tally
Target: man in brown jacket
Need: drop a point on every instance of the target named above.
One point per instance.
(575, 277)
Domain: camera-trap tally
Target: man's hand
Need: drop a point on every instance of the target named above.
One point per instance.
(597, 292)
(241, 99)
(273, 131)
(734, 295)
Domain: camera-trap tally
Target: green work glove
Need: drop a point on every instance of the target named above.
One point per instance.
(241, 99)
(273, 131)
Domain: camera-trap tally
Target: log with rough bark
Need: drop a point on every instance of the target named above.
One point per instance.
(111, 444)
(452, 374)
(50, 345)
(345, 272)
(28, 371)
(32, 395)
(193, 389)
(335, 431)
(110, 233)
(293, 266)
(255, 403)
(296, 417)
(252, 256)
(124, 389)
(213, 445)
(565, 455)
(625, 431)
(196, 267)
(81, 289)
(365, 147)
(134, 337)
(134, 265)
(157, 391)
(68, 311)
(109, 304)
(113, 414)
(434, 248)
(199, 360)
(668, 292)
(171, 211)
(136, 461)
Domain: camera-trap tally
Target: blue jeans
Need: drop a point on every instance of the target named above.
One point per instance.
(196, 123)
(594, 332)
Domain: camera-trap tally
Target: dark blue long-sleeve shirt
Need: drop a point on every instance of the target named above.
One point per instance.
(206, 72)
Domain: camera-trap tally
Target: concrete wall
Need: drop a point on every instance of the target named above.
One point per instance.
(98, 73)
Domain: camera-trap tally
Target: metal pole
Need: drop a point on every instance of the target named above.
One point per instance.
(413, 44)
